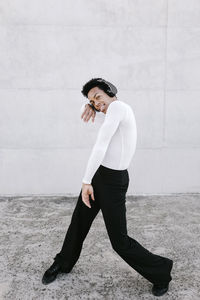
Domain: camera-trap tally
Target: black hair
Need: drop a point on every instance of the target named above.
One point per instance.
(101, 83)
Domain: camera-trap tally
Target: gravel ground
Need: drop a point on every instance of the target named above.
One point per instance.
(33, 229)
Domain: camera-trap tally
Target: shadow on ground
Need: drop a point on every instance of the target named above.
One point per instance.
(33, 229)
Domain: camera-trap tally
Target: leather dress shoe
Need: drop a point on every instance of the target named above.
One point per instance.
(159, 290)
(51, 273)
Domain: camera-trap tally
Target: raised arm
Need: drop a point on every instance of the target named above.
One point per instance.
(94, 114)
(114, 115)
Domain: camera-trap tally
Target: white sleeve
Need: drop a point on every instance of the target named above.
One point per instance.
(113, 116)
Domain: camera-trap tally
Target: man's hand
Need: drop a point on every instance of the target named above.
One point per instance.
(87, 189)
(88, 113)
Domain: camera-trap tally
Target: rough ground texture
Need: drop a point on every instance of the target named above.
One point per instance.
(33, 229)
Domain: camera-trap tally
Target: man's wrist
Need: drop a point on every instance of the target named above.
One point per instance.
(83, 183)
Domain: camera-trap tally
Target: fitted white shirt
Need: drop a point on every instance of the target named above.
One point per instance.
(116, 140)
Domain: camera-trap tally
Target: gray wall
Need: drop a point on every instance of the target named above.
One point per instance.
(48, 49)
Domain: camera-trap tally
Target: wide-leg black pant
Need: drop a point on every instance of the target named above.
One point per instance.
(110, 187)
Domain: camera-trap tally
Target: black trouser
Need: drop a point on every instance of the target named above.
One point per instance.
(110, 187)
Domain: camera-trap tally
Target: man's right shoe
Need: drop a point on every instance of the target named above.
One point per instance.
(159, 290)
(51, 273)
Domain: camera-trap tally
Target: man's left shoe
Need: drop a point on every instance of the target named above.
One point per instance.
(159, 290)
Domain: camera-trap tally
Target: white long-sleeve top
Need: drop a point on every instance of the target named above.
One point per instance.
(116, 140)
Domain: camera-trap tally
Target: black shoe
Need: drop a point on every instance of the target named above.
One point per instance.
(51, 273)
(159, 290)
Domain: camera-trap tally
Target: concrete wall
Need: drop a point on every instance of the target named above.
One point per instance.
(48, 49)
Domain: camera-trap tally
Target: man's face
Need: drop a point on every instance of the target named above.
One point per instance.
(99, 99)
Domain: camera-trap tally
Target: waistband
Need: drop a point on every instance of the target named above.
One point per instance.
(111, 171)
(113, 177)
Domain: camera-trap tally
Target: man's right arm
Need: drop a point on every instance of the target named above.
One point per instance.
(87, 112)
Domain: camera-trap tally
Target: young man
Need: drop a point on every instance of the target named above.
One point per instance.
(104, 186)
